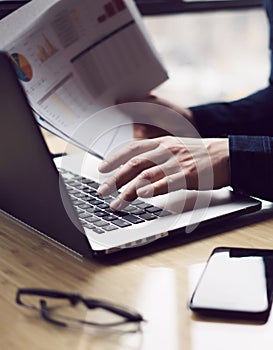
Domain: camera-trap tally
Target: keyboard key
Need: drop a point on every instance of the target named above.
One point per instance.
(121, 223)
(81, 195)
(91, 183)
(88, 226)
(84, 206)
(153, 209)
(103, 205)
(108, 200)
(163, 213)
(76, 202)
(110, 228)
(148, 216)
(92, 219)
(91, 191)
(101, 223)
(72, 191)
(109, 218)
(100, 213)
(115, 194)
(129, 208)
(94, 201)
(133, 219)
(91, 209)
(98, 230)
(85, 197)
(137, 201)
(143, 205)
(84, 180)
(79, 186)
(138, 212)
(85, 215)
(70, 182)
(118, 213)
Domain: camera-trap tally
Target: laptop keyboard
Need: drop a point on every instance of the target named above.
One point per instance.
(94, 211)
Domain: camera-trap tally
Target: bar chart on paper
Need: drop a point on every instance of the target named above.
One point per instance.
(111, 8)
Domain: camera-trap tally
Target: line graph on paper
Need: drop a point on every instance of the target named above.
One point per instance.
(63, 108)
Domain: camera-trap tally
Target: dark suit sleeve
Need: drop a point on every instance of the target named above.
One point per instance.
(252, 115)
(251, 155)
(251, 165)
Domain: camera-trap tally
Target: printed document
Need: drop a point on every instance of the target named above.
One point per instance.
(76, 59)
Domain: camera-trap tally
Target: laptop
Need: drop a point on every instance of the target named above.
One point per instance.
(59, 199)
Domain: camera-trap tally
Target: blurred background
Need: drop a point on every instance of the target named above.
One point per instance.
(212, 56)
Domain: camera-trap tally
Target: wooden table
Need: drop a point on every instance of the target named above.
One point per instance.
(157, 281)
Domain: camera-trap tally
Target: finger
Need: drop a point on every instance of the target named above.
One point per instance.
(169, 167)
(121, 157)
(147, 177)
(130, 193)
(133, 168)
(125, 198)
(165, 185)
(124, 175)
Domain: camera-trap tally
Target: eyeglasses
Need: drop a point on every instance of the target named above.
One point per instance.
(61, 309)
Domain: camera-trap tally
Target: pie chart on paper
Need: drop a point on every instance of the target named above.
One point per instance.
(22, 67)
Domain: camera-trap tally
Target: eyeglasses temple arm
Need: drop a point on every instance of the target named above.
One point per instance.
(130, 315)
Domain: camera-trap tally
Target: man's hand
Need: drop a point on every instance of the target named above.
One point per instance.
(164, 119)
(165, 164)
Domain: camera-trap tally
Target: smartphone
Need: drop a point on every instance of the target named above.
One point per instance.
(236, 283)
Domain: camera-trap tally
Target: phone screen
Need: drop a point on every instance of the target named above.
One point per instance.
(235, 283)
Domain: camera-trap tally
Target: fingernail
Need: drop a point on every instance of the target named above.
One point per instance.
(103, 166)
(117, 204)
(146, 191)
(104, 189)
